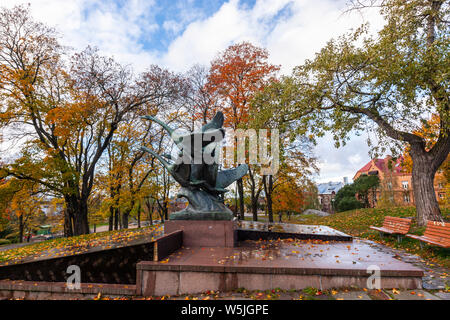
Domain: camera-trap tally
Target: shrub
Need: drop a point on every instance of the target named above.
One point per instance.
(4, 241)
(349, 203)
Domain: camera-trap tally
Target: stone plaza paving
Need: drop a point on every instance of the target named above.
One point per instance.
(285, 256)
(435, 281)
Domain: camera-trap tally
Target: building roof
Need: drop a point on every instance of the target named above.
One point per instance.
(329, 187)
(383, 165)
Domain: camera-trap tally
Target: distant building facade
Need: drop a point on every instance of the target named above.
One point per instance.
(177, 204)
(395, 184)
(327, 192)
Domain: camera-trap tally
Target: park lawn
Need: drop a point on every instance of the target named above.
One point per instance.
(357, 223)
(74, 245)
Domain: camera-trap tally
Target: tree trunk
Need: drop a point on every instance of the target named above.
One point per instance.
(125, 220)
(150, 211)
(160, 210)
(255, 209)
(76, 222)
(116, 218)
(240, 185)
(111, 218)
(125, 216)
(268, 187)
(139, 215)
(423, 172)
(80, 218)
(21, 228)
(68, 228)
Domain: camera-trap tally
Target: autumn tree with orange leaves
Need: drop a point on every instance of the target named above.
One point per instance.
(430, 133)
(21, 206)
(297, 163)
(236, 76)
(129, 169)
(65, 116)
(288, 196)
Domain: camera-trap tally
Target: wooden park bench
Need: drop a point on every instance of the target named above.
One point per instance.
(436, 233)
(394, 225)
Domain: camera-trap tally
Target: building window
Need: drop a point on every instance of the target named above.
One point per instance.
(406, 198)
(405, 185)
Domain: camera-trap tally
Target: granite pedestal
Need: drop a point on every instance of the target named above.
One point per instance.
(264, 265)
(204, 233)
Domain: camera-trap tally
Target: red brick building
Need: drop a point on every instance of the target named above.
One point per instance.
(327, 192)
(395, 184)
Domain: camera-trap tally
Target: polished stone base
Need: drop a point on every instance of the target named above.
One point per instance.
(194, 215)
(40, 290)
(252, 230)
(204, 233)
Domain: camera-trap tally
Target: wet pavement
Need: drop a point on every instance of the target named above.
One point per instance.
(292, 256)
(435, 277)
(289, 230)
(311, 294)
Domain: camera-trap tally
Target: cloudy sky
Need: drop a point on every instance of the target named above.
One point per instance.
(179, 33)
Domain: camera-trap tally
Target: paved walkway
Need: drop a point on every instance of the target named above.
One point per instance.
(435, 277)
(98, 229)
(347, 294)
(17, 245)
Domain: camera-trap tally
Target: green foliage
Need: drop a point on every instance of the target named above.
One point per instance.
(357, 77)
(386, 85)
(365, 183)
(348, 203)
(347, 192)
(310, 291)
(355, 195)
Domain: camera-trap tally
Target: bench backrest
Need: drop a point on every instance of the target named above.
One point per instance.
(399, 225)
(438, 232)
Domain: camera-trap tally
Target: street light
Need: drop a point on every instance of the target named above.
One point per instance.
(332, 205)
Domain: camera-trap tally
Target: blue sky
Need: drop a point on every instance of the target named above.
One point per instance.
(180, 33)
(167, 19)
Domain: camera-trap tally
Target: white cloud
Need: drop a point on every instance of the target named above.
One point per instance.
(302, 29)
(294, 38)
(172, 26)
(299, 33)
(337, 163)
(115, 31)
